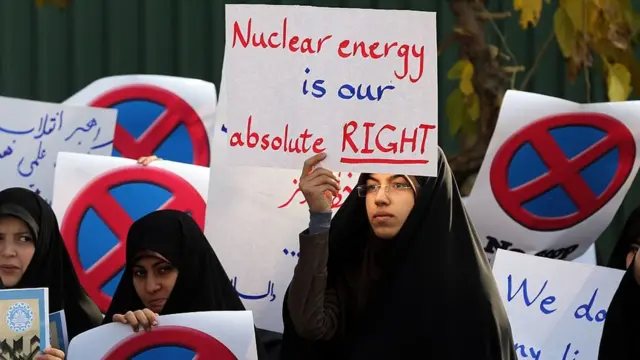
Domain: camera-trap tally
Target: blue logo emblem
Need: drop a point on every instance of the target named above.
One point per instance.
(19, 317)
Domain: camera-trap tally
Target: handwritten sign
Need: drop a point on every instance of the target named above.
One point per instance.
(33, 132)
(358, 84)
(556, 308)
(271, 244)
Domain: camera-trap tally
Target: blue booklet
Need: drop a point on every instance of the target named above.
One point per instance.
(24, 326)
(58, 328)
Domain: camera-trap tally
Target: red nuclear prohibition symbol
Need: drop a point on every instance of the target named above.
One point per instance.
(204, 345)
(177, 111)
(562, 171)
(95, 195)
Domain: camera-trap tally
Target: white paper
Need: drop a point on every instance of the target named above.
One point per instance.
(33, 132)
(556, 236)
(234, 329)
(295, 95)
(562, 312)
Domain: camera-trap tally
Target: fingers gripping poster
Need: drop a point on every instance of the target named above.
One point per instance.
(554, 174)
(97, 198)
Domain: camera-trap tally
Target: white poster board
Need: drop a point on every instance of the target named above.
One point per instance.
(168, 116)
(210, 335)
(556, 308)
(97, 198)
(33, 132)
(304, 83)
(554, 175)
(271, 213)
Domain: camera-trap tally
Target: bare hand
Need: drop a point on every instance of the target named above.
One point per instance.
(318, 185)
(146, 160)
(51, 354)
(144, 318)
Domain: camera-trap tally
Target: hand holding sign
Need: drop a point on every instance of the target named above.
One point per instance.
(316, 183)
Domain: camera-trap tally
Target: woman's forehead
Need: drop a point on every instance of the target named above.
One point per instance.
(384, 177)
(148, 254)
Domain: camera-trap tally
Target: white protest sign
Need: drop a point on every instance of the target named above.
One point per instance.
(33, 132)
(221, 335)
(97, 198)
(554, 175)
(168, 116)
(303, 82)
(254, 217)
(556, 308)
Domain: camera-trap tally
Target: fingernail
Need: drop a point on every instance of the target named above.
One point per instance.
(154, 323)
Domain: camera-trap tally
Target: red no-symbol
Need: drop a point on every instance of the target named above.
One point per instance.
(96, 196)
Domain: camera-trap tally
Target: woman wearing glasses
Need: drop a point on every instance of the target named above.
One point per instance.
(397, 273)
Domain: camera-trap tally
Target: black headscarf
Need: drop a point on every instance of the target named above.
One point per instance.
(630, 235)
(621, 329)
(437, 298)
(51, 265)
(202, 283)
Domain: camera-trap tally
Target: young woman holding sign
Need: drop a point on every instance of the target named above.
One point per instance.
(398, 273)
(170, 268)
(33, 255)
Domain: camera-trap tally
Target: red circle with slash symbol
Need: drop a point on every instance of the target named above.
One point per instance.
(96, 196)
(204, 345)
(177, 112)
(562, 172)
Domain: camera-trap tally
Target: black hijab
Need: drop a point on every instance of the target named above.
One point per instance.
(630, 235)
(621, 329)
(51, 265)
(437, 298)
(202, 283)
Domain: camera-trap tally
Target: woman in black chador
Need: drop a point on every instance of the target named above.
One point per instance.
(398, 273)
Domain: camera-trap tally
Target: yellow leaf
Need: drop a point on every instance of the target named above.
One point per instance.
(583, 13)
(466, 79)
(565, 32)
(473, 107)
(529, 11)
(456, 70)
(456, 111)
(618, 82)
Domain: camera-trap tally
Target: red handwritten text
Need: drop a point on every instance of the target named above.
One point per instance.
(276, 39)
(372, 143)
(284, 143)
(376, 50)
(336, 202)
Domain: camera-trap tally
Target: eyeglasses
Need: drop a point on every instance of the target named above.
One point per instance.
(364, 190)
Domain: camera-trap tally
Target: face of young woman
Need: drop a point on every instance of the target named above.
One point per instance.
(389, 200)
(154, 278)
(17, 247)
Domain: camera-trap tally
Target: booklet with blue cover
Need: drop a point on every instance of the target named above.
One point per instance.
(58, 329)
(24, 322)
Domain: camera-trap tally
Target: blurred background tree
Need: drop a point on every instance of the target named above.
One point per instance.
(592, 35)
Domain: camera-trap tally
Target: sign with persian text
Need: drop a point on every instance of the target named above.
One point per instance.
(33, 132)
(360, 85)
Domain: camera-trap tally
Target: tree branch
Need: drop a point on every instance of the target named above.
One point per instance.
(489, 84)
(537, 61)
